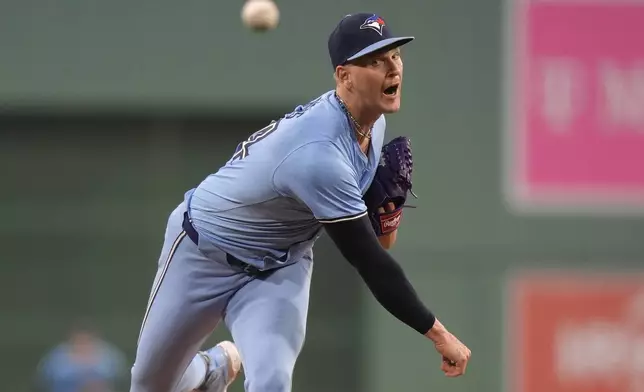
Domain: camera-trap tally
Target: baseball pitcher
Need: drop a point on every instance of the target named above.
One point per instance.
(238, 248)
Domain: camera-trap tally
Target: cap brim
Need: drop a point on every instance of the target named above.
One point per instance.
(389, 42)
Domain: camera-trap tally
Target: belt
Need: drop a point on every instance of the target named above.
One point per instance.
(232, 260)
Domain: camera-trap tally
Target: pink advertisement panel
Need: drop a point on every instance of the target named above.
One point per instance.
(575, 134)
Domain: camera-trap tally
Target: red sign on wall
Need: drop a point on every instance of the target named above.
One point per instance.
(575, 104)
(579, 333)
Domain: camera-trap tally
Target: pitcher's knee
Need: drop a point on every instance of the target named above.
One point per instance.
(269, 381)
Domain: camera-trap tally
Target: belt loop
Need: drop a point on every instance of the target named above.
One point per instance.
(189, 229)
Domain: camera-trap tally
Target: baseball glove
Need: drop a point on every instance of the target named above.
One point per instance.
(391, 184)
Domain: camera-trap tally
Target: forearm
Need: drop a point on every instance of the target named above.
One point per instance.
(381, 273)
(391, 288)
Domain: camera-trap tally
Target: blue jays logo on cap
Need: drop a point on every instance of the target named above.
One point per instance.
(374, 22)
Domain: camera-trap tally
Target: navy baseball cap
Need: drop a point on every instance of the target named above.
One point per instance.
(357, 35)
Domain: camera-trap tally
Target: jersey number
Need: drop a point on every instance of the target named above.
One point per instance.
(241, 151)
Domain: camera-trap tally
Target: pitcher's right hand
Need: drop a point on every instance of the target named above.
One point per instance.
(455, 355)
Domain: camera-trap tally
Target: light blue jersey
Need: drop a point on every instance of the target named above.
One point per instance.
(266, 205)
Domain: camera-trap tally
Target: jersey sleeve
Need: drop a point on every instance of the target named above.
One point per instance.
(319, 176)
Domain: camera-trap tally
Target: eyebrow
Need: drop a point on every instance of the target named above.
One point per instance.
(388, 53)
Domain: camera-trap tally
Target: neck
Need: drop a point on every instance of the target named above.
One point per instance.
(364, 117)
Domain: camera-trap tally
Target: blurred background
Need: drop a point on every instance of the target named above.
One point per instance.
(527, 123)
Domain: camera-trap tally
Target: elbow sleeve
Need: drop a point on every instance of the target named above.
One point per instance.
(381, 273)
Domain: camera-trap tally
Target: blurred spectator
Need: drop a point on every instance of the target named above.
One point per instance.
(82, 363)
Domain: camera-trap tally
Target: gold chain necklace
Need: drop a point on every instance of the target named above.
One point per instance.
(353, 120)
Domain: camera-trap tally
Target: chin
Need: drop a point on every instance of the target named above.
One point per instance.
(390, 104)
(389, 108)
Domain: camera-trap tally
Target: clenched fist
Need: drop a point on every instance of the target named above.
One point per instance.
(455, 355)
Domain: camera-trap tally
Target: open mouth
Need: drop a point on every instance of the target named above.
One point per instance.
(391, 90)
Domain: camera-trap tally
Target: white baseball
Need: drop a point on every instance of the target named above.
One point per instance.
(260, 14)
